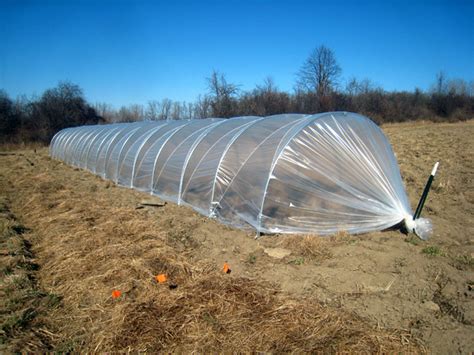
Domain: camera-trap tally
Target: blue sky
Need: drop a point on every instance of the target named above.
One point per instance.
(124, 52)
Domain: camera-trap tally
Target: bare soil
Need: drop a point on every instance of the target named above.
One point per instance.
(382, 291)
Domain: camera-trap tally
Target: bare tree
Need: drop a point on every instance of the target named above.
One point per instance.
(137, 112)
(357, 87)
(60, 107)
(268, 86)
(106, 111)
(320, 72)
(440, 86)
(176, 111)
(471, 88)
(165, 113)
(152, 112)
(160, 110)
(265, 99)
(202, 107)
(222, 95)
(123, 115)
(189, 109)
(352, 87)
(9, 120)
(132, 113)
(458, 86)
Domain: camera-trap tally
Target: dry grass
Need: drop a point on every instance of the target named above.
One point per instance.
(217, 312)
(12, 147)
(22, 302)
(312, 247)
(91, 240)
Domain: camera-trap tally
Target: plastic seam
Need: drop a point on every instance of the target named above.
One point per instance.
(87, 140)
(123, 151)
(176, 148)
(145, 140)
(231, 132)
(103, 141)
(65, 146)
(191, 151)
(110, 142)
(86, 156)
(309, 119)
(174, 131)
(100, 138)
(127, 138)
(247, 126)
(250, 154)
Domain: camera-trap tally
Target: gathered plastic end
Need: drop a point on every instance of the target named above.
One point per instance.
(409, 223)
(422, 227)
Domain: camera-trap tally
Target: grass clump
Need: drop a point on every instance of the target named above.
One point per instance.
(296, 261)
(432, 250)
(252, 259)
(412, 240)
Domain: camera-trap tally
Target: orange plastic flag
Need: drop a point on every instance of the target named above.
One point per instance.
(116, 294)
(161, 278)
(226, 268)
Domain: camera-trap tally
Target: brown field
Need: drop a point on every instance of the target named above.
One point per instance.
(69, 238)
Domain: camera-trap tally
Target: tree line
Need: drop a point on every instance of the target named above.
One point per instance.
(38, 119)
(318, 88)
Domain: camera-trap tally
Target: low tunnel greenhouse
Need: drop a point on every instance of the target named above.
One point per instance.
(287, 173)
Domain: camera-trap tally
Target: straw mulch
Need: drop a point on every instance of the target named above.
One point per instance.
(90, 240)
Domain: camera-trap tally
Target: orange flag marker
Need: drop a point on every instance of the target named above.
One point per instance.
(116, 294)
(226, 268)
(161, 278)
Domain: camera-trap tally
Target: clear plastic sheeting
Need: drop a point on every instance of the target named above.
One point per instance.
(423, 228)
(288, 173)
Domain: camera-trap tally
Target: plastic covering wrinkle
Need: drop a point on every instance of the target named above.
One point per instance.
(289, 173)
